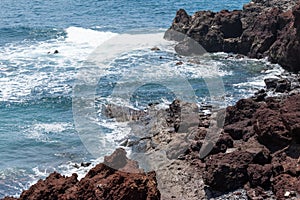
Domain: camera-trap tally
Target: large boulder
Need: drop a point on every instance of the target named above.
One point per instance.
(262, 29)
(226, 172)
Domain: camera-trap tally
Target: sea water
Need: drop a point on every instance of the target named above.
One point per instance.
(37, 130)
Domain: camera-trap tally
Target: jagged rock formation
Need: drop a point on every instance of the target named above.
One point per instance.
(262, 29)
(266, 148)
(115, 179)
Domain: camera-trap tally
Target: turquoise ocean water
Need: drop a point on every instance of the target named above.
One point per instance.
(37, 131)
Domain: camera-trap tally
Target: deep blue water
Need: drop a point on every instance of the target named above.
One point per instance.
(37, 131)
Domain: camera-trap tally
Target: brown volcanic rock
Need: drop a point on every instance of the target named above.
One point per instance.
(286, 49)
(260, 35)
(262, 29)
(271, 130)
(268, 158)
(284, 184)
(55, 186)
(260, 175)
(277, 124)
(238, 121)
(291, 116)
(225, 172)
(102, 182)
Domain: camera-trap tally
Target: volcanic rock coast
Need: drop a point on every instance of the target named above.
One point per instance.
(256, 151)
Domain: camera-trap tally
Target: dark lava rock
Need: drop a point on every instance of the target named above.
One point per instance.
(260, 175)
(223, 143)
(279, 85)
(285, 184)
(271, 83)
(271, 130)
(226, 172)
(268, 157)
(286, 48)
(101, 182)
(290, 110)
(238, 121)
(262, 29)
(283, 85)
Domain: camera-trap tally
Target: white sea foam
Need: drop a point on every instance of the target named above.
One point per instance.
(78, 35)
(258, 81)
(30, 68)
(43, 131)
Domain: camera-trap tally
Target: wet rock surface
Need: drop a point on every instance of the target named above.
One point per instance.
(262, 29)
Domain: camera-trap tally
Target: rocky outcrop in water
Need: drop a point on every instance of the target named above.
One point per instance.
(262, 29)
(115, 179)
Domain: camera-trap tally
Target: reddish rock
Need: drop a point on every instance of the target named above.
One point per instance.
(101, 183)
(238, 121)
(285, 183)
(268, 158)
(226, 172)
(118, 160)
(230, 22)
(270, 129)
(55, 186)
(286, 49)
(290, 111)
(223, 143)
(260, 175)
(258, 38)
(243, 110)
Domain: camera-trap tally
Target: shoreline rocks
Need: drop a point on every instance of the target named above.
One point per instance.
(256, 156)
(258, 148)
(262, 29)
(124, 181)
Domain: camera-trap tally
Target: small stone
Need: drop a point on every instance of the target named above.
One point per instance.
(155, 49)
(287, 194)
(271, 83)
(85, 164)
(179, 63)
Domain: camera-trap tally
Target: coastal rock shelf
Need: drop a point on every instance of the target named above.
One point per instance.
(256, 153)
(256, 156)
(262, 29)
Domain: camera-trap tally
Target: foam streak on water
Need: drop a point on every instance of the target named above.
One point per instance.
(37, 129)
(28, 70)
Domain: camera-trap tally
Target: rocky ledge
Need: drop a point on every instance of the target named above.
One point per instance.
(255, 156)
(264, 28)
(116, 178)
